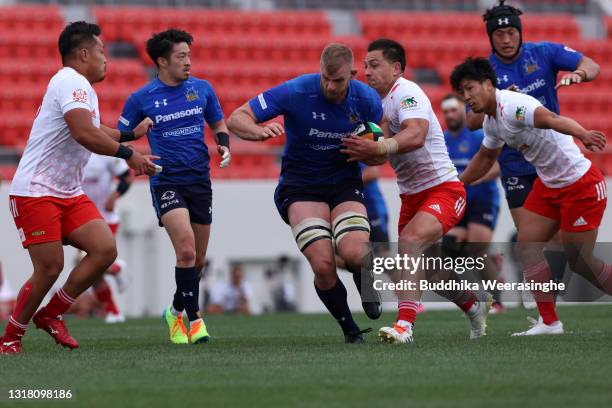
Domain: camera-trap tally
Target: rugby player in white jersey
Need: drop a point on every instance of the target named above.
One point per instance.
(99, 186)
(46, 198)
(433, 198)
(569, 194)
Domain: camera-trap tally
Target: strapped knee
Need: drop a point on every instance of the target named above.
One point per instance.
(311, 230)
(349, 221)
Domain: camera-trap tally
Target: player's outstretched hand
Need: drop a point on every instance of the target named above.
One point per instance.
(143, 127)
(226, 156)
(360, 149)
(569, 79)
(513, 88)
(143, 164)
(270, 130)
(594, 140)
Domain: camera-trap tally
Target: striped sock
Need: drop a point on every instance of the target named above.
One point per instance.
(14, 330)
(407, 310)
(58, 305)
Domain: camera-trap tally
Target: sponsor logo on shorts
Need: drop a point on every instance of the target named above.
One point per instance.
(21, 234)
(487, 217)
(459, 205)
(436, 208)
(79, 95)
(38, 233)
(124, 121)
(579, 222)
(168, 195)
(512, 183)
(359, 193)
(602, 190)
(169, 203)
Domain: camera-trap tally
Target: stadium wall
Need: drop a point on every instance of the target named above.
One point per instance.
(245, 226)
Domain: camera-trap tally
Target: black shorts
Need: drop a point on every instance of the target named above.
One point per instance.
(196, 198)
(379, 229)
(332, 194)
(517, 189)
(480, 211)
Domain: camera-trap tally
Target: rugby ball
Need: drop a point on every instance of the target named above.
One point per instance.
(370, 131)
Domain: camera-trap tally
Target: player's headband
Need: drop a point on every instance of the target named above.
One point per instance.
(503, 20)
(450, 103)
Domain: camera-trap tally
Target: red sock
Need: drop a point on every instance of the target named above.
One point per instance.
(547, 311)
(59, 303)
(14, 330)
(545, 301)
(604, 277)
(466, 301)
(105, 296)
(406, 310)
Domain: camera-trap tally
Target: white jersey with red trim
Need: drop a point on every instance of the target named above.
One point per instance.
(53, 161)
(98, 183)
(427, 166)
(557, 159)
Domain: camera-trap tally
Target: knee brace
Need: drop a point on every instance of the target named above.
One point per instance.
(311, 230)
(349, 221)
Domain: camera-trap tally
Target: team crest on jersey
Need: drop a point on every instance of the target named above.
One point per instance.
(531, 65)
(192, 94)
(79, 95)
(520, 113)
(409, 102)
(464, 147)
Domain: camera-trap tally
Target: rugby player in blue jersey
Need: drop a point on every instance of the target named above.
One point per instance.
(320, 193)
(530, 68)
(180, 106)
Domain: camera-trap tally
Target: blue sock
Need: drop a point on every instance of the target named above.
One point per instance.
(188, 291)
(334, 300)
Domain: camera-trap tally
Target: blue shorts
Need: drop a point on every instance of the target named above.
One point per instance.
(517, 189)
(196, 198)
(480, 211)
(332, 195)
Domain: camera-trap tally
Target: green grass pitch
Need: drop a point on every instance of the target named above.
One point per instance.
(300, 360)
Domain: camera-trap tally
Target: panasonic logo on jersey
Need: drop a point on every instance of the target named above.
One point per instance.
(533, 86)
(180, 114)
(327, 135)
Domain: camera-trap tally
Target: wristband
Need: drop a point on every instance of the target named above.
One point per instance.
(126, 136)
(388, 146)
(124, 152)
(223, 139)
(584, 78)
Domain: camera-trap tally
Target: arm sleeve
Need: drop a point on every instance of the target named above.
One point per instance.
(131, 115)
(271, 103)
(413, 104)
(563, 57)
(74, 94)
(213, 112)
